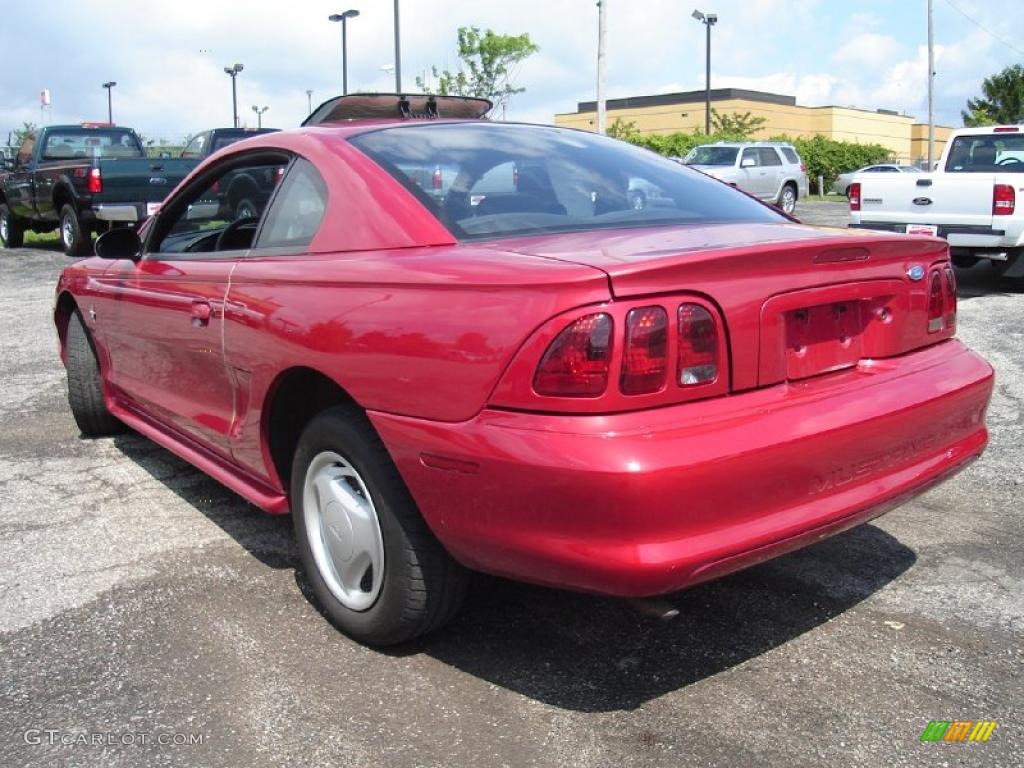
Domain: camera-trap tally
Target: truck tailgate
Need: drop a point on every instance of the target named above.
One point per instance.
(140, 181)
(940, 199)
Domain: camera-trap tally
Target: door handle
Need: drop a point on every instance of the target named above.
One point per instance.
(201, 312)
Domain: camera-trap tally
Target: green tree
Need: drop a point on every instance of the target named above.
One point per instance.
(26, 130)
(488, 64)
(623, 129)
(1002, 99)
(735, 124)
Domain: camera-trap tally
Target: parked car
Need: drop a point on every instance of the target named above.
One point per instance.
(80, 179)
(769, 170)
(971, 201)
(551, 385)
(842, 183)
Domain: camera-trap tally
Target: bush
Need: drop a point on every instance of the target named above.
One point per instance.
(822, 155)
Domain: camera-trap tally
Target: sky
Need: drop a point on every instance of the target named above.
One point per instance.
(168, 58)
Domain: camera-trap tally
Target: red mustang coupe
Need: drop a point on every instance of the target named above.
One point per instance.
(446, 344)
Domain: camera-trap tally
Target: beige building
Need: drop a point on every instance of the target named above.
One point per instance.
(671, 112)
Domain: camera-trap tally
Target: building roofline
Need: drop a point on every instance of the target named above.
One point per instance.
(689, 97)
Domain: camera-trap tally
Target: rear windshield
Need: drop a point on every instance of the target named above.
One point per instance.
(485, 180)
(711, 156)
(989, 153)
(91, 143)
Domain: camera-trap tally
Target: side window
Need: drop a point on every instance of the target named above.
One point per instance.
(750, 153)
(194, 149)
(769, 156)
(221, 215)
(873, 169)
(298, 209)
(890, 169)
(791, 157)
(25, 152)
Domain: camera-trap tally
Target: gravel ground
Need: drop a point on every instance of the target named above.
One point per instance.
(139, 598)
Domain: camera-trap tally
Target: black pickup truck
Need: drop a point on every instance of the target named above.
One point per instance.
(243, 193)
(82, 179)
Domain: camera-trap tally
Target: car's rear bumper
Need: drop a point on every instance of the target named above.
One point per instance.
(648, 502)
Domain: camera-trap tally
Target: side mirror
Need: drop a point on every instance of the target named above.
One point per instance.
(119, 243)
(747, 162)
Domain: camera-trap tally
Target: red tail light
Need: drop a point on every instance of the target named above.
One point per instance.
(853, 192)
(950, 285)
(1004, 200)
(936, 302)
(576, 363)
(215, 187)
(278, 174)
(803, 168)
(698, 346)
(95, 181)
(436, 180)
(645, 355)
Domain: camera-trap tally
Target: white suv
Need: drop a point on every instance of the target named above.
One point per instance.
(769, 170)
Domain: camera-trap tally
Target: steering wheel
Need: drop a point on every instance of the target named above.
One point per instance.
(224, 239)
(1009, 161)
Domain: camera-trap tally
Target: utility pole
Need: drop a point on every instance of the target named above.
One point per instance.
(309, 100)
(110, 107)
(602, 43)
(931, 89)
(398, 54)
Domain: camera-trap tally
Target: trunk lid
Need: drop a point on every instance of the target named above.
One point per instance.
(797, 301)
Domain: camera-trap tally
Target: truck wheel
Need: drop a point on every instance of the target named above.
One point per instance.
(374, 566)
(73, 236)
(787, 198)
(12, 234)
(85, 389)
(246, 209)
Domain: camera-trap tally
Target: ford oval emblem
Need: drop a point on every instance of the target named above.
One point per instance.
(916, 272)
(922, 201)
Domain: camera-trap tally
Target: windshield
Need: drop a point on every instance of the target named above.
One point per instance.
(504, 180)
(91, 143)
(711, 156)
(987, 153)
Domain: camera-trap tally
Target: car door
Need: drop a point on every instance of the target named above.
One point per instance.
(773, 171)
(165, 330)
(752, 175)
(19, 183)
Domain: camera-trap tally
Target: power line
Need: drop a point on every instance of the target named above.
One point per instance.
(982, 27)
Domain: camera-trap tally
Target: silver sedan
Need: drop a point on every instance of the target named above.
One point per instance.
(843, 181)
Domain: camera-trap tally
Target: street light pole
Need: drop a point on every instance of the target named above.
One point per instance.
(398, 54)
(233, 73)
(931, 89)
(708, 20)
(110, 107)
(259, 115)
(309, 100)
(343, 18)
(602, 42)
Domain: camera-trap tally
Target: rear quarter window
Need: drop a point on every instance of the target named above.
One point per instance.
(791, 156)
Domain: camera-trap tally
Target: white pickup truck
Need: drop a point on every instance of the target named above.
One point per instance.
(970, 200)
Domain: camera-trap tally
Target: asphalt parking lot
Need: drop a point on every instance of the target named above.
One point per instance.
(139, 597)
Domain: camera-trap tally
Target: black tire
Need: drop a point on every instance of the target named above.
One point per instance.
(246, 209)
(85, 390)
(73, 236)
(787, 198)
(422, 586)
(12, 232)
(964, 262)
